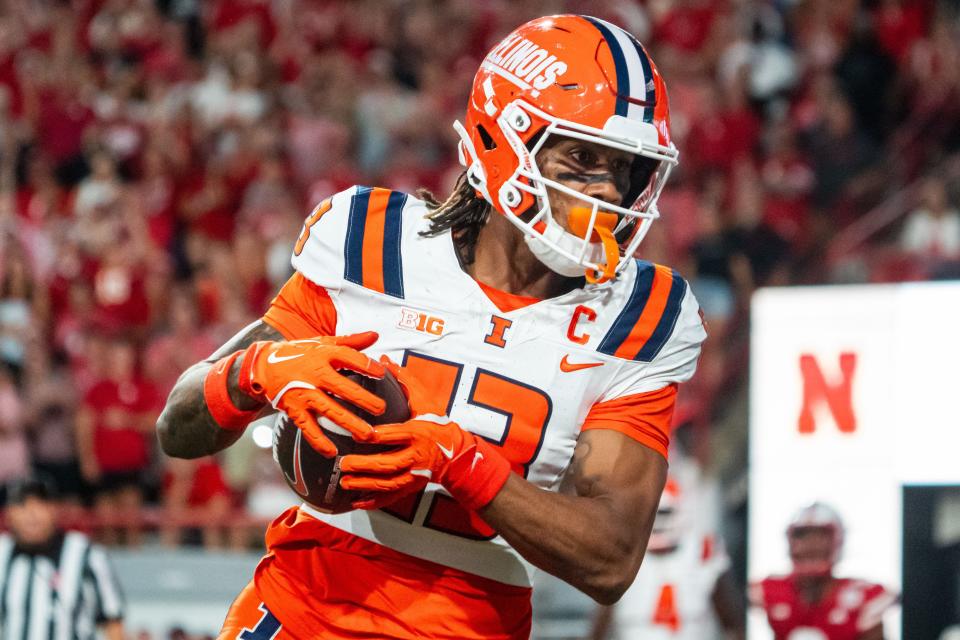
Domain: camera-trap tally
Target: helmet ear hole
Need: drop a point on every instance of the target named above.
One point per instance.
(535, 138)
(641, 174)
(625, 231)
(488, 142)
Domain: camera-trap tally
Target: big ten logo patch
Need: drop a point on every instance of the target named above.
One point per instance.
(836, 394)
(413, 320)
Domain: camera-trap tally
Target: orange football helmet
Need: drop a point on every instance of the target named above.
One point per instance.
(578, 77)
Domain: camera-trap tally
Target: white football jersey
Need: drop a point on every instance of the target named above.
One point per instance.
(523, 379)
(671, 599)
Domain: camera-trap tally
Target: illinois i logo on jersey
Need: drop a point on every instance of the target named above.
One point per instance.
(498, 330)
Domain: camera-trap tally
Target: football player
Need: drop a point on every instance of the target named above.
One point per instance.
(538, 354)
(684, 590)
(811, 603)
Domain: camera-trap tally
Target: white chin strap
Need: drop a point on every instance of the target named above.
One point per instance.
(554, 260)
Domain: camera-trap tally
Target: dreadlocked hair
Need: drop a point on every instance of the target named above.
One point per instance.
(463, 212)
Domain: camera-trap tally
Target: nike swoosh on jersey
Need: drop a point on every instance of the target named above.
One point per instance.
(273, 358)
(566, 366)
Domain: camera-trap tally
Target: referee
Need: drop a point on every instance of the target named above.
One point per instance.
(54, 585)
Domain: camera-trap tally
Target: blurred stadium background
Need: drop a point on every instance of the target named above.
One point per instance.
(157, 159)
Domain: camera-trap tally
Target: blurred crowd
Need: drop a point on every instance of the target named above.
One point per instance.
(157, 158)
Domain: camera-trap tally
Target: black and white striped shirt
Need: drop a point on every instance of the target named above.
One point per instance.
(62, 592)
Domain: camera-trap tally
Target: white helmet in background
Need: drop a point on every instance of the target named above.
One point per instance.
(819, 557)
(669, 524)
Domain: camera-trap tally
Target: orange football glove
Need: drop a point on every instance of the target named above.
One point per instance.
(420, 401)
(299, 377)
(432, 449)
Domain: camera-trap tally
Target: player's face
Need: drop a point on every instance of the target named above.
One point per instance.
(587, 167)
(33, 521)
(812, 547)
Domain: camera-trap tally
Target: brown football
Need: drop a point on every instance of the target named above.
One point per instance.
(316, 479)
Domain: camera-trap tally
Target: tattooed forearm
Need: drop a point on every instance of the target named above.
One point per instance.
(185, 428)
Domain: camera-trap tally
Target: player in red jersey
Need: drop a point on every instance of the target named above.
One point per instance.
(540, 356)
(811, 603)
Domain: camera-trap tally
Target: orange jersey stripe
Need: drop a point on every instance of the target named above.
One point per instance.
(301, 310)
(650, 317)
(373, 240)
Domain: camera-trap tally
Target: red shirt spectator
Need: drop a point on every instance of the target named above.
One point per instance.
(899, 25)
(120, 294)
(157, 193)
(206, 205)
(116, 415)
(196, 494)
(63, 119)
(788, 180)
(233, 13)
(722, 137)
(687, 25)
(119, 443)
(193, 483)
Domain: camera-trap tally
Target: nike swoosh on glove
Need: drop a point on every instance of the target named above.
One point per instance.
(300, 376)
(432, 449)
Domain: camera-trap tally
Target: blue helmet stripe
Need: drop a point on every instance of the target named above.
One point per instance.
(619, 63)
(651, 90)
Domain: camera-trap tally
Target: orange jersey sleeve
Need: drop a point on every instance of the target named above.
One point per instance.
(301, 310)
(645, 417)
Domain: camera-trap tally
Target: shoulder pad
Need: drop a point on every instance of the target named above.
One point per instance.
(648, 317)
(659, 328)
(354, 237)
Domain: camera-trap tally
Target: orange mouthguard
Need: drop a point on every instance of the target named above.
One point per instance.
(578, 220)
